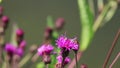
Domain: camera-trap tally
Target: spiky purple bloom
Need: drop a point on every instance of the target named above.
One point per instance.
(74, 44)
(45, 49)
(10, 49)
(63, 42)
(60, 59)
(19, 32)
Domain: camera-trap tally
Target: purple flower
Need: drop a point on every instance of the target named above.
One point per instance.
(74, 44)
(10, 49)
(19, 32)
(19, 52)
(60, 58)
(45, 49)
(66, 43)
(63, 42)
(22, 44)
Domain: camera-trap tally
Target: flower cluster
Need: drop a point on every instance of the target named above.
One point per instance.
(18, 50)
(11, 50)
(66, 45)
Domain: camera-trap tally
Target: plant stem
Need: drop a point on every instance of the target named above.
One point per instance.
(72, 64)
(116, 58)
(46, 65)
(76, 60)
(102, 15)
(25, 59)
(111, 49)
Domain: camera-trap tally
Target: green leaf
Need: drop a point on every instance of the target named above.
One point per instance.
(0, 1)
(13, 34)
(86, 17)
(40, 65)
(50, 22)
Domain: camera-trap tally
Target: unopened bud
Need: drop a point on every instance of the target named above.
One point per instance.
(5, 21)
(59, 23)
(48, 32)
(83, 66)
(19, 35)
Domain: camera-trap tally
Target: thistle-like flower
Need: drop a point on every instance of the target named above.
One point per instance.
(45, 49)
(10, 49)
(65, 43)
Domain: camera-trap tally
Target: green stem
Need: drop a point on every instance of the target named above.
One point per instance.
(25, 59)
(101, 17)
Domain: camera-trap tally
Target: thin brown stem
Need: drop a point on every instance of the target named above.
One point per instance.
(76, 60)
(116, 58)
(72, 64)
(111, 49)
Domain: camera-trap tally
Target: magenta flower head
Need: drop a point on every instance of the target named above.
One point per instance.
(60, 59)
(45, 49)
(19, 32)
(63, 42)
(59, 23)
(10, 49)
(22, 44)
(74, 44)
(19, 52)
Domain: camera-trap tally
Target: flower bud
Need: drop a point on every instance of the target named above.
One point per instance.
(83, 66)
(48, 33)
(59, 23)
(10, 49)
(19, 35)
(22, 44)
(5, 21)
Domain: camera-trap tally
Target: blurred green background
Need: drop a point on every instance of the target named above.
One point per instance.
(31, 16)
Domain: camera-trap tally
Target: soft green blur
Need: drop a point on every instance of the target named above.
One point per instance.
(31, 16)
